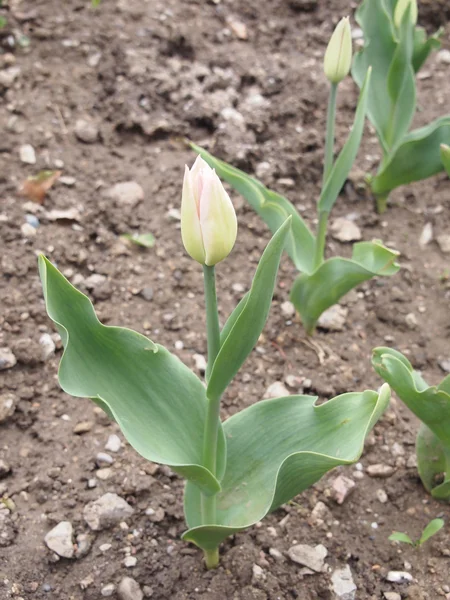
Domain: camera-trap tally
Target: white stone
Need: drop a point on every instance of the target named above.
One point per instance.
(108, 510)
(258, 573)
(200, 362)
(427, 235)
(380, 470)
(399, 576)
(345, 230)
(114, 443)
(411, 320)
(333, 319)
(27, 154)
(28, 230)
(7, 406)
(129, 589)
(86, 131)
(47, 345)
(8, 76)
(382, 496)
(443, 56)
(126, 193)
(130, 562)
(343, 585)
(392, 596)
(104, 459)
(309, 556)
(277, 389)
(287, 309)
(108, 590)
(7, 359)
(59, 539)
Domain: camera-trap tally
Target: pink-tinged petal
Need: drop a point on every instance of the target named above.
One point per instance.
(217, 220)
(199, 171)
(191, 232)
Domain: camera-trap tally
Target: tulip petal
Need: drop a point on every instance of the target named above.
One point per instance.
(217, 220)
(191, 232)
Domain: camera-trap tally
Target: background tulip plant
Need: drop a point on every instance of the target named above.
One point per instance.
(431, 404)
(396, 49)
(321, 282)
(445, 157)
(237, 470)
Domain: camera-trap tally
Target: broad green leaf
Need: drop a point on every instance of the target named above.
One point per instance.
(346, 158)
(145, 240)
(251, 315)
(424, 45)
(278, 448)
(375, 19)
(445, 157)
(271, 207)
(431, 405)
(418, 157)
(159, 404)
(401, 84)
(431, 529)
(313, 294)
(398, 536)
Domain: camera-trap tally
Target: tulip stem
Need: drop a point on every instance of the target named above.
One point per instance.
(210, 437)
(329, 139)
(328, 165)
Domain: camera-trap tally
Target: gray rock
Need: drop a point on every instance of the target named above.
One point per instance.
(258, 573)
(381, 496)
(107, 511)
(59, 539)
(333, 319)
(342, 487)
(48, 346)
(94, 281)
(147, 293)
(129, 589)
(130, 562)
(399, 576)
(380, 470)
(5, 469)
(113, 444)
(427, 235)
(343, 585)
(7, 359)
(126, 193)
(7, 406)
(445, 365)
(345, 230)
(8, 76)
(103, 458)
(108, 590)
(443, 241)
(309, 556)
(27, 154)
(277, 389)
(86, 131)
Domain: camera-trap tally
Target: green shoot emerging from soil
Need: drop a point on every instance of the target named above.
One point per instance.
(430, 530)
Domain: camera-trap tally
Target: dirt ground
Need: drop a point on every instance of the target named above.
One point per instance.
(131, 79)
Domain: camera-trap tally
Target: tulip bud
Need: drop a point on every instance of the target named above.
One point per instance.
(401, 8)
(338, 57)
(208, 220)
(445, 156)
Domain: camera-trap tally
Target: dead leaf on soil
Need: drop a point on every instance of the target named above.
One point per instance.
(36, 187)
(145, 240)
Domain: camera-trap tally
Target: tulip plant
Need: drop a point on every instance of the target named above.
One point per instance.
(396, 49)
(431, 404)
(445, 157)
(321, 282)
(238, 470)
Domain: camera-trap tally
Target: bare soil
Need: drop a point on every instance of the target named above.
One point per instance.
(147, 73)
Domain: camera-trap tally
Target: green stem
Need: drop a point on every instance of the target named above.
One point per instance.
(329, 138)
(210, 437)
(211, 558)
(381, 202)
(327, 167)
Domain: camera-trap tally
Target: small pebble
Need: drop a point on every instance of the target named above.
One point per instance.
(27, 154)
(130, 562)
(399, 577)
(104, 459)
(287, 309)
(28, 230)
(276, 390)
(200, 362)
(380, 470)
(345, 230)
(7, 359)
(86, 131)
(108, 590)
(392, 596)
(59, 539)
(113, 444)
(47, 345)
(382, 496)
(129, 589)
(312, 557)
(83, 427)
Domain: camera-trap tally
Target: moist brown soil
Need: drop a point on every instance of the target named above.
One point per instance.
(148, 73)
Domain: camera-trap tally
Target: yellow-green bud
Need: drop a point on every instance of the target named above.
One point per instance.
(401, 8)
(445, 156)
(208, 219)
(338, 57)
